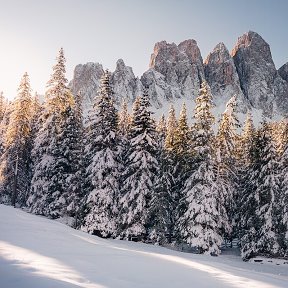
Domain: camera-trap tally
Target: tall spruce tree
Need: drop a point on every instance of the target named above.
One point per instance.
(182, 154)
(16, 161)
(161, 206)
(205, 217)
(171, 129)
(56, 153)
(282, 227)
(140, 171)
(226, 157)
(124, 119)
(169, 166)
(258, 232)
(103, 170)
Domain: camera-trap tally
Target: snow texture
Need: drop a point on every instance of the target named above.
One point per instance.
(37, 252)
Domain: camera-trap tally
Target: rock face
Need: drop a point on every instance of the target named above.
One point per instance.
(86, 81)
(125, 84)
(222, 77)
(175, 71)
(283, 72)
(260, 82)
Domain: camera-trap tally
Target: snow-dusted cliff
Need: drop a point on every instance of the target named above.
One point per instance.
(176, 72)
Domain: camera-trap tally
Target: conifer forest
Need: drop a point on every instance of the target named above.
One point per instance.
(123, 174)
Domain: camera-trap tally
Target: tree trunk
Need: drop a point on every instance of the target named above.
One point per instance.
(15, 180)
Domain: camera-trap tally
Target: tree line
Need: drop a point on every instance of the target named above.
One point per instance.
(128, 176)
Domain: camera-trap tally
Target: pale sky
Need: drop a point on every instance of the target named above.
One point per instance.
(33, 31)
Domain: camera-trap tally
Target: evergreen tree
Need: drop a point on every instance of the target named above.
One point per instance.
(205, 217)
(56, 150)
(182, 137)
(171, 129)
(4, 108)
(37, 110)
(283, 198)
(124, 120)
(15, 162)
(182, 153)
(103, 169)
(161, 206)
(227, 169)
(140, 171)
(259, 207)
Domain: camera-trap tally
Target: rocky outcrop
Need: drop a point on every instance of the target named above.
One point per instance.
(283, 72)
(87, 77)
(125, 84)
(222, 77)
(260, 82)
(86, 81)
(176, 71)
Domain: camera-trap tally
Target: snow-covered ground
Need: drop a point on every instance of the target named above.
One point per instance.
(37, 252)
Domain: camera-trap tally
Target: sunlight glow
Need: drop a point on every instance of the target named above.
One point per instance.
(44, 266)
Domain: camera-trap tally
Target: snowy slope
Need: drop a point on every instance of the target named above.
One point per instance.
(37, 252)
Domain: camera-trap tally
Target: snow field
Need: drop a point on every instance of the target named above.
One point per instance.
(37, 252)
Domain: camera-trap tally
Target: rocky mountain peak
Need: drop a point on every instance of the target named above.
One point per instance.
(120, 65)
(125, 84)
(179, 70)
(191, 49)
(222, 77)
(86, 81)
(259, 79)
(255, 44)
(283, 72)
(163, 52)
(219, 54)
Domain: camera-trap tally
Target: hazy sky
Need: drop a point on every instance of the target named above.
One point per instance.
(32, 32)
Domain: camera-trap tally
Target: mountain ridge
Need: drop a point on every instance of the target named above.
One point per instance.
(176, 71)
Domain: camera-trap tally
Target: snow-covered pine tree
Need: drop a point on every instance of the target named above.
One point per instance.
(77, 183)
(37, 110)
(244, 159)
(226, 157)
(171, 129)
(123, 127)
(56, 151)
(205, 217)
(182, 133)
(258, 221)
(283, 199)
(16, 161)
(4, 107)
(124, 119)
(103, 170)
(161, 208)
(182, 158)
(140, 171)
